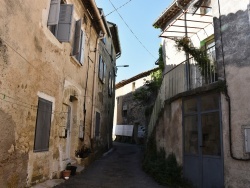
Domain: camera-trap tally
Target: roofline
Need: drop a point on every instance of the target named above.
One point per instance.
(118, 52)
(176, 7)
(136, 77)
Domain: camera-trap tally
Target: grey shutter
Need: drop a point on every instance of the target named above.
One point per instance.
(68, 118)
(97, 123)
(82, 48)
(100, 67)
(77, 40)
(104, 71)
(43, 123)
(54, 12)
(65, 22)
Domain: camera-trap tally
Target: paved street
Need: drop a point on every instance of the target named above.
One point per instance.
(119, 169)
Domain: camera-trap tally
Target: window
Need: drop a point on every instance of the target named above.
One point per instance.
(97, 124)
(110, 89)
(102, 69)
(43, 123)
(133, 86)
(79, 42)
(60, 20)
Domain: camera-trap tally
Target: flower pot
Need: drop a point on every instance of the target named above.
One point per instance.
(66, 174)
(72, 169)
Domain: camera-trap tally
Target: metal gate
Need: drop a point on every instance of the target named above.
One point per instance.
(203, 157)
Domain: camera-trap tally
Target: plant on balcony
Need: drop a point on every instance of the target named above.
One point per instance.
(199, 54)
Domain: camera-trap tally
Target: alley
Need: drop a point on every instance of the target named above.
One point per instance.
(119, 169)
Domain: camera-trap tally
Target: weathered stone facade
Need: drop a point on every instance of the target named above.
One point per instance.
(35, 65)
(125, 101)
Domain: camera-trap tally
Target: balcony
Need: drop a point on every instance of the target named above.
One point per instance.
(187, 75)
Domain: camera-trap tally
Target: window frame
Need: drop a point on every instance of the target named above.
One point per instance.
(39, 144)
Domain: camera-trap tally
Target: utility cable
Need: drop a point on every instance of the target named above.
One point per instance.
(118, 8)
(132, 31)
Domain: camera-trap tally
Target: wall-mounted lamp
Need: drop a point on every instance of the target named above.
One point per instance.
(122, 66)
(119, 66)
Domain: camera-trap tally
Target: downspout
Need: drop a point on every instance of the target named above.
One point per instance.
(94, 86)
(227, 95)
(86, 85)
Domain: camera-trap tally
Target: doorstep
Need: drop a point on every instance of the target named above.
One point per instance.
(49, 183)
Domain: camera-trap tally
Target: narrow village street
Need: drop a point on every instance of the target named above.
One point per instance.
(118, 169)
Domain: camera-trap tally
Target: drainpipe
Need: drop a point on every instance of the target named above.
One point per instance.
(227, 95)
(94, 86)
(86, 86)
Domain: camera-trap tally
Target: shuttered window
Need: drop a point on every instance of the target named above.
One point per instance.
(77, 40)
(102, 69)
(97, 124)
(54, 12)
(110, 84)
(43, 124)
(60, 20)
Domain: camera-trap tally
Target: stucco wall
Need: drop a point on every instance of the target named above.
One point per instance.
(169, 130)
(235, 36)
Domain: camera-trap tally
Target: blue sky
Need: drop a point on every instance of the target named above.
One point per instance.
(139, 16)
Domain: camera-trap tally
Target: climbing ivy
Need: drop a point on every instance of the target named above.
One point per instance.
(199, 54)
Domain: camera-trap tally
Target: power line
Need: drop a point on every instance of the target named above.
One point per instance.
(118, 8)
(132, 31)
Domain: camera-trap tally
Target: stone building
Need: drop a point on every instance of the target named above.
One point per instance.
(49, 86)
(205, 120)
(129, 111)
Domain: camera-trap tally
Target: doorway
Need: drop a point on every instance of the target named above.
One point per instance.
(203, 157)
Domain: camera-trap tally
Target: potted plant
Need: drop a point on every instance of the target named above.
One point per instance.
(71, 168)
(66, 174)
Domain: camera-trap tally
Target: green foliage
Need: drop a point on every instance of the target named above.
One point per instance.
(165, 171)
(152, 86)
(160, 60)
(199, 55)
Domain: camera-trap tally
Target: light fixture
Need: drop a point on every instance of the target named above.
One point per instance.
(116, 68)
(122, 66)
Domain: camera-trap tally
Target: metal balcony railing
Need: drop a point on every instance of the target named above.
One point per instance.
(183, 77)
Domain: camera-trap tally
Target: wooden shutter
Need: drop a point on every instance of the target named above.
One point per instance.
(77, 40)
(54, 12)
(100, 67)
(104, 71)
(43, 123)
(65, 22)
(82, 48)
(68, 118)
(97, 123)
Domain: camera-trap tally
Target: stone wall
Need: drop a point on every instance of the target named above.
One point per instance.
(33, 63)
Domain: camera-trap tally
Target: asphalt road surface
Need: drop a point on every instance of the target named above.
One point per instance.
(119, 169)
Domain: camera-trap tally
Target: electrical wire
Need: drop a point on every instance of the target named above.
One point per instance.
(132, 30)
(39, 70)
(118, 8)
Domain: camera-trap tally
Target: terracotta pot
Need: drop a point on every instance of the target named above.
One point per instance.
(66, 174)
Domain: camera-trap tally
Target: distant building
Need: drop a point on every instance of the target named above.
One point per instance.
(127, 109)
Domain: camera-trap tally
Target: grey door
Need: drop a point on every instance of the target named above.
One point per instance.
(203, 160)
